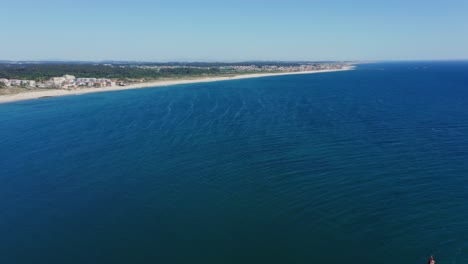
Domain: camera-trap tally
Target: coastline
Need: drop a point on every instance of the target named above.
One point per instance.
(57, 92)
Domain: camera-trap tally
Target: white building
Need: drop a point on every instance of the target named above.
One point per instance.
(69, 77)
(6, 82)
(42, 85)
(49, 83)
(57, 80)
(15, 82)
(28, 83)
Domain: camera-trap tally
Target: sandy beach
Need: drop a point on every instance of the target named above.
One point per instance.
(36, 94)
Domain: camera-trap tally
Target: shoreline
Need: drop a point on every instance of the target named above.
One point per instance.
(58, 92)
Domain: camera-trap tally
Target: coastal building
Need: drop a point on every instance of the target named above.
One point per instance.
(64, 82)
(69, 83)
(42, 85)
(57, 81)
(14, 82)
(49, 83)
(99, 84)
(69, 78)
(6, 82)
(28, 83)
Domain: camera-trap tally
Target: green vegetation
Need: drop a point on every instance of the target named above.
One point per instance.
(2, 85)
(131, 72)
(123, 70)
(41, 72)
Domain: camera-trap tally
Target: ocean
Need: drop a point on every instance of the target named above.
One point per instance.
(364, 166)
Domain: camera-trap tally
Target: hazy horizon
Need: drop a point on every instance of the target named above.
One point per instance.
(211, 31)
(222, 61)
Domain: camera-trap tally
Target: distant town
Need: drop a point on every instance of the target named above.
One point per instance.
(76, 76)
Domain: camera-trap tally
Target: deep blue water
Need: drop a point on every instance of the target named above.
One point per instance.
(365, 166)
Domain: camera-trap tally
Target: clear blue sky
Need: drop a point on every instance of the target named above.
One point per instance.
(207, 30)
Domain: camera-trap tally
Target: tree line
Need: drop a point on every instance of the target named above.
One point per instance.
(46, 71)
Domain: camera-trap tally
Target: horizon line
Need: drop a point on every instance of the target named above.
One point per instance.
(226, 61)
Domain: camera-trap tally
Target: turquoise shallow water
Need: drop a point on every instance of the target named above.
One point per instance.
(365, 166)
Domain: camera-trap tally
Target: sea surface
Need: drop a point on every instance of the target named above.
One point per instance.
(364, 166)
